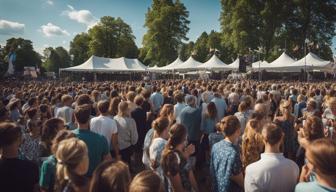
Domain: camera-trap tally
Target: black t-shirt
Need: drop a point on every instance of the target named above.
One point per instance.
(18, 175)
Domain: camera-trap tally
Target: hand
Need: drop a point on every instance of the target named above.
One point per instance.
(305, 172)
(190, 149)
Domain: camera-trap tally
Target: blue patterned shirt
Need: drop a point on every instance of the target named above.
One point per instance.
(225, 162)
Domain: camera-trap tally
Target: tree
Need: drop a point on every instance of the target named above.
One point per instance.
(25, 54)
(56, 58)
(79, 48)
(112, 38)
(167, 24)
(186, 50)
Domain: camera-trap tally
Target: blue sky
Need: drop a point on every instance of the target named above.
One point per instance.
(56, 22)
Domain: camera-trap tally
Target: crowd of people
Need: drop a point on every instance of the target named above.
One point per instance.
(167, 136)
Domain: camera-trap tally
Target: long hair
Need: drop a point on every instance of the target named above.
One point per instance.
(211, 111)
(69, 155)
(170, 159)
(113, 108)
(252, 145)
(111, 176)
(146, 181)
(167, 110)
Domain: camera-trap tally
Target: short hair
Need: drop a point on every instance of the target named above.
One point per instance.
(190, 100)
(9, 133)
(84, 99)
(82, 113)
(130, 96)
(111, 176)
(66, 98)
(146, 181)
(179, 97)
(103, 106)
(313, 128)
(138, 100)
(272, 133)
(322, 154)
(229, 125)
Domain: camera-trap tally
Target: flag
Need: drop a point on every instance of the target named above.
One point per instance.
(296, 48)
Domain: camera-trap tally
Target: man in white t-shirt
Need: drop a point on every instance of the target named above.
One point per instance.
(106, 126)
(66, 111)
(273, 172)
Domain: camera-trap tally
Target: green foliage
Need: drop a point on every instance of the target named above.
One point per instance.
(25, 54)
(277, 25)
(111, 38)
(56, 58)
(79, 48)
(167, 24)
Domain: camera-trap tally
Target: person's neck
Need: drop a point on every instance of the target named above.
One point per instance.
(83, 126)
(328, 181)
(272, 149)
(104, 114)
(10, 152)
(231, 139)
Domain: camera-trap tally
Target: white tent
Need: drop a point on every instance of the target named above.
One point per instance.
(101, 64)
(190, 64)
(172, 65)
(234, 65)
(282, 61)
(214, 63)
(309, 62)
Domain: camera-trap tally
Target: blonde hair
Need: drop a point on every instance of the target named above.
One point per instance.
(146, 181)
(123, 109)
(69, 155)
(252, 145)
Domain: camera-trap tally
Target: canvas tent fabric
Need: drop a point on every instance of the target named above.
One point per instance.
(263, 64)
(101, 64)
(234, 65)
(310, 62)
(282, 61)
(172, 65)
(214, 63)
(190, 64)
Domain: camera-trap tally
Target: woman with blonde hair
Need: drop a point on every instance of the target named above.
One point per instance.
(72, 164)
(252, 145)
(127, 132)
(112, 176)
(146, 181)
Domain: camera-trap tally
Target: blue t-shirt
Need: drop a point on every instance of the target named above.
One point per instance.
(225, 162)
(47, 173)
(312, 186)
(97, 147)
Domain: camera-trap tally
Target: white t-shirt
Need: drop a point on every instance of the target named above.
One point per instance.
(65, 113)
(105, 126)
(273, 172)
(155, 151)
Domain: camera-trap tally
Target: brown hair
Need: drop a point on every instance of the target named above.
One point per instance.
(82, 113)
(113, 109)
(273, 133)
(112, 176)
(66, 98)
(322, 154)
(60, 136)
(169, 159)
(9, 133)
(138, 100)
(167, 110)
(130, 96)
(103, 106)
(242, 106)
(160, 124)
(313, 128)
(179, 97)
(146, 181)
(83, 99)
(49, 131)
(229, 125)
(211, 110)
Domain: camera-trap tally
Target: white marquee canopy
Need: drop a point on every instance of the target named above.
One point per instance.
(214, 63)
(101, 64)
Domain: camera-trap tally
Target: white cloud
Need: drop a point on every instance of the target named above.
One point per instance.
(50, 2)
(11, 27)
(50, 30)
(81, 16)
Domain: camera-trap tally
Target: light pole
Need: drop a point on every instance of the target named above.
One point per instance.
(305, 59)
(259, 51)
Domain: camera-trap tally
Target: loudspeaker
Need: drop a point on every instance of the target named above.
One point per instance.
(242, 64)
